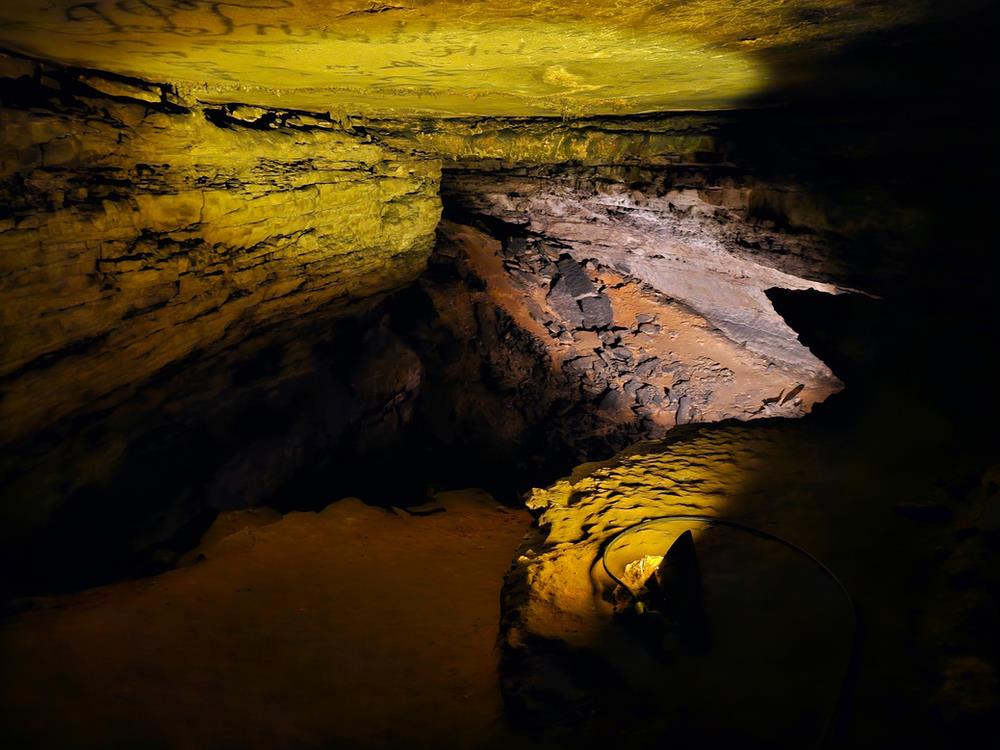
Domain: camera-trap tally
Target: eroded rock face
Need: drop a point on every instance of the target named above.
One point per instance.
(448, 56)
(174, 277)
(177, 274)
(687, 233)
(488, 143)
(140, 231)
(569, 657)
(534, 359)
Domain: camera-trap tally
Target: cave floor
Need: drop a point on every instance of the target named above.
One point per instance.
(362, 627)
(354, 626)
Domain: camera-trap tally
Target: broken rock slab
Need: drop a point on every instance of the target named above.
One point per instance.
(578, 284)
(575, 297)
(561, 299)
(596, 312)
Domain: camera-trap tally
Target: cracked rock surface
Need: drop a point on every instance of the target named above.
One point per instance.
(688, 236)
(176, 278)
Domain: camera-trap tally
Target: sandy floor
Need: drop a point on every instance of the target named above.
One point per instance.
(353, 627)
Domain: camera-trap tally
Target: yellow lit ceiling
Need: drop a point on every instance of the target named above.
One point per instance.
(449, 57)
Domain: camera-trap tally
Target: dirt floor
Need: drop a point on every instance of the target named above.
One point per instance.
(352, 627)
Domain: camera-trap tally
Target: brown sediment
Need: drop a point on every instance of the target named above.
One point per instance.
(353, 626)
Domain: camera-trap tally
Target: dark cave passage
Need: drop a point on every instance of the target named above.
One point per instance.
(514, 357)
(340, 344)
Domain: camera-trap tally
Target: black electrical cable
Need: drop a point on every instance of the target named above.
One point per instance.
(848, 668)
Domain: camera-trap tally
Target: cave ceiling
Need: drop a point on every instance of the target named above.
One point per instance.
(453, 57)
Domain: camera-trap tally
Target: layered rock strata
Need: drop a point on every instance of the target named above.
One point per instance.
(177, 274)
(577, 359)
(172, 279)
(140, 230)
(488, 144)
(687, 233)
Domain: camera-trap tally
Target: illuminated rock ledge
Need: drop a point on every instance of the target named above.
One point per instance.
(781, 629)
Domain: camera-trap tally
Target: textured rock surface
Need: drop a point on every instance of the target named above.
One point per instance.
(485, 143)
(138, 233)
(688, 234)
(568, 658)
(578, 359)
(191, 274)
(699, 474)
(170, 264)
(176, 254)
(173, 277)
(452, 56)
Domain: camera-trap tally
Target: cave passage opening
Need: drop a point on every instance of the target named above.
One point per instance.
(530, 344)
(515, 357)
(332, 379)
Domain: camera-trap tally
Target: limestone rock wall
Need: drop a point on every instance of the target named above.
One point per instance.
(193, 283)
(173, 282)
(485, 144)
(138, 230)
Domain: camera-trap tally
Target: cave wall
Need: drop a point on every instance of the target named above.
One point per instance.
(196, 284)
(174, 280)
(192, 296)
(490, 143)
(140, 228)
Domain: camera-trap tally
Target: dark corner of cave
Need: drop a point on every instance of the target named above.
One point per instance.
(523, 375)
